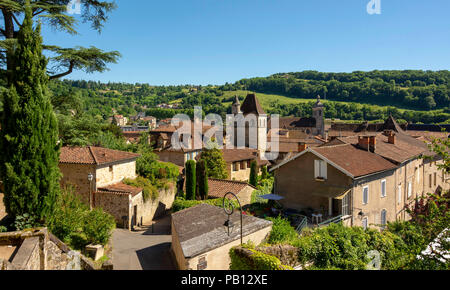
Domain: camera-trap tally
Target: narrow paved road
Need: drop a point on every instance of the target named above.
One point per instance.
(141, 251)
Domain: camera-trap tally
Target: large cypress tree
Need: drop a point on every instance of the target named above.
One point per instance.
(202, 180)
(29, 133)
(190, 180)
(253, 173)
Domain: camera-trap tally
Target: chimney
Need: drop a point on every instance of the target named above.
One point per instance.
(372, 143)
(391, 139)
(302, 147)
(363, 142)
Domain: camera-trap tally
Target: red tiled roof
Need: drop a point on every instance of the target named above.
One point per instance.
(121, 188)
(233, 155)
(355, 161)
(219, 187)
(93, 155)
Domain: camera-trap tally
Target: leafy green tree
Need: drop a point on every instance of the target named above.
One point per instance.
(53, 13)
(216, 167)
(253, 173)
(264, 174)
(29, 135)
(190, 180)
(202, 180)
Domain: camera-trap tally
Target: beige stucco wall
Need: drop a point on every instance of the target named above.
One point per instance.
(241, 174)
(219, 258)
(147, 211)
(295, 181)
(115, 173)
(76, 175)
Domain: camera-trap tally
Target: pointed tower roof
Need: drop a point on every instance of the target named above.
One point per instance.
(391, 124)
(251, 105)
(318, 103)
(236, 100)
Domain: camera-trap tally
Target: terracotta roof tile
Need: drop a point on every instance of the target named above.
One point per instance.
(93, 155)
(219, 187)
(121, 188)
(361, 162)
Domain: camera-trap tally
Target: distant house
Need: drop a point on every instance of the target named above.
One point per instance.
(200, 241)
(239, 162)
(365, 180)
(120, 120)
(217, 188)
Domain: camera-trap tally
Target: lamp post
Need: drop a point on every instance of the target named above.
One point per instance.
(228, 223)
(90, 178)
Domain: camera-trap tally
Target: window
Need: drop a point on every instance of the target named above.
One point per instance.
(365, 195)
(110, 168)
(365, 223)
(235, 166)
(429, 180)
(418, 174)
(383, 218)
(345, 203)
(383, 188)
(409, 189)
(435, 177)
(399, 193)
(320, 169)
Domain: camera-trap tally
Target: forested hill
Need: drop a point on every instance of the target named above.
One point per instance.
(411, 89)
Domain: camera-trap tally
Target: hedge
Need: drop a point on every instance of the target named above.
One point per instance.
(245, 258)
(181, 203)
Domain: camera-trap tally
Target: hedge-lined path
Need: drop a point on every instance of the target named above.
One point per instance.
(143, 250)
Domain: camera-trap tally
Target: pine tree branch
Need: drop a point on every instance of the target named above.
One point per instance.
(68, 72)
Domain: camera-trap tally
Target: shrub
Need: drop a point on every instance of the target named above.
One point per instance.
(3, 229)
(181, 203)
(202, 180)
(25, 221)
(74, 224)
(246, 258)
(149, 167)
(282, 231)
(149, 191)
(98, 227)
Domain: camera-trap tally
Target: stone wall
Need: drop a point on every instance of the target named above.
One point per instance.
(116, 204)
(37, 249)
(147, 211)
(2, 207)
(76, 175)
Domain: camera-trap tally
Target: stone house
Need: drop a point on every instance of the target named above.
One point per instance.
(239, 161)
(120, 120)
(107, 190)
(365, 180)
(217, 188)
(200, 241)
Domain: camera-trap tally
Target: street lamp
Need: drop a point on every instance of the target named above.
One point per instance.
(228, 223)
(90, 179)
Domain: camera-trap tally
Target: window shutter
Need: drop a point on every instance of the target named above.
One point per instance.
(409, 189)
(323, 169)
(316, 168)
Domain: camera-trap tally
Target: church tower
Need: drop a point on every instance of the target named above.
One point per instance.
(251, 106)
(318, 115)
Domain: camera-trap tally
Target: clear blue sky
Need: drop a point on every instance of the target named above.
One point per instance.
(216, 41)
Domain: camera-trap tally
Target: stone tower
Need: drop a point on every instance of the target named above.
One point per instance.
(252, 106)
(318, 115)
(236, 107)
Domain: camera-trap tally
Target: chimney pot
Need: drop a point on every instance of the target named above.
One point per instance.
(392, 139)
(302, 147)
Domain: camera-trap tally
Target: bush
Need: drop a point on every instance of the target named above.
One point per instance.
(282, 231)
(149, 191)
(149, 167)
(3, 229)
(99, 227)
(181, 203)
(253, 173)
(247, 258)
(25, 221)
(74, 224)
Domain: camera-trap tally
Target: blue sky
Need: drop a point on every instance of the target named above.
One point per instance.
(216, 41)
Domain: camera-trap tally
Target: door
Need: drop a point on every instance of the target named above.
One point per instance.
(134, 221)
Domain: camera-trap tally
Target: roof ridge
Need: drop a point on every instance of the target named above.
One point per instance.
(93, 155)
